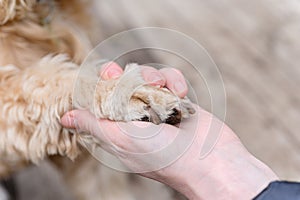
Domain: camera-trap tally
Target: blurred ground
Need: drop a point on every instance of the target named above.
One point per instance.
(256, 46)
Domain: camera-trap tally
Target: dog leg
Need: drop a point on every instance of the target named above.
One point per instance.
(31, 104)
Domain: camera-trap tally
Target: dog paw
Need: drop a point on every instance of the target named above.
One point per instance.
(158, 105)
(130, 98)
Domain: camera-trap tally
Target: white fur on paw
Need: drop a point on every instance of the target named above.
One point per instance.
(132, 99)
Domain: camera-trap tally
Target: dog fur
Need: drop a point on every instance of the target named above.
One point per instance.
(41, 50)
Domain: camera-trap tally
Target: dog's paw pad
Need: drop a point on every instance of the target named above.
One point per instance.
(174, 118)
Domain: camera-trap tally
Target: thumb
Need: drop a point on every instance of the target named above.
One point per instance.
(83, 120)
(80, 119)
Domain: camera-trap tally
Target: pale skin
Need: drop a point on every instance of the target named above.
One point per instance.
(228, 172)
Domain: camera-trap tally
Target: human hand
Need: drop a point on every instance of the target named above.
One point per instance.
(166, 77)
(229, 171)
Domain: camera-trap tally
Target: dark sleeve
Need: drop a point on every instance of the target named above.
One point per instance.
(280, 190)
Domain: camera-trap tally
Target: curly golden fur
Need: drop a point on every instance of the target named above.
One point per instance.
(36, 58)
(40, 51)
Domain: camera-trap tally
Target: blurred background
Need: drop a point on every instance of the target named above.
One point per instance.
(255, 45)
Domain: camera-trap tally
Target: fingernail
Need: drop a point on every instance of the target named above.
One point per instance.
(69, 121)
(180, 87)
(154, 78)
(114, 73)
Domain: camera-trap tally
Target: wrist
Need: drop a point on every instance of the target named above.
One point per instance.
(237, 177)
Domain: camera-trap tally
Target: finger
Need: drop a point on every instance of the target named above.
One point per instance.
(84, 121)
(152, 76)
(110, 70)
(79, 119)
(175, 81)
(67, 120)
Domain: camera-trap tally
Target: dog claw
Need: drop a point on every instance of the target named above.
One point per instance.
(154, 116)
